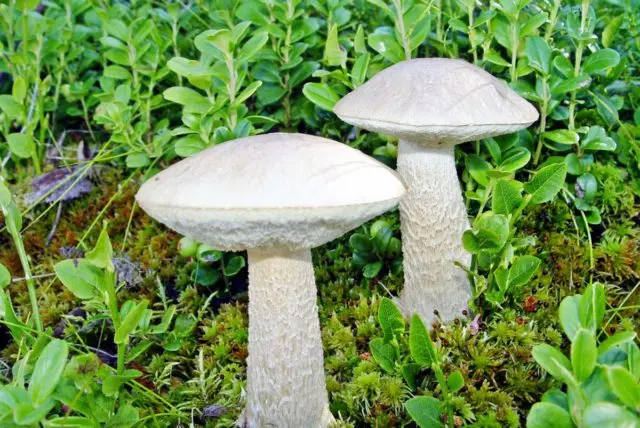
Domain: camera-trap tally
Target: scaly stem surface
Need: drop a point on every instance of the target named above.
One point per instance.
(433, 218)
(285, 374)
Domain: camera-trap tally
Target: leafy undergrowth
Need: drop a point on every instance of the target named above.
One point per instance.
(199, 367)
(96, 97)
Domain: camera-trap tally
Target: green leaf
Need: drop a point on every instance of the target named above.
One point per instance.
(383, 41)
(269, 94)
(205, 275)
(246, 93)
(533, 23)
(420, 344)
(491, 231)
(5, 276)
(384, 353)
(470, 242)
(5, 196)
(48, 371)
(538, 53)
(360, 243)
(625, 386)
(522, 270)
(592, 307)
(455, 381)
(302, 73)
(390, 319)
(137, 160)
(101, 255)
(597, 139)
(19, 89)
(588, 186)
(70, 422)
(166, 321)
(563, 65)
(608, 415)
(478, 168)
(546, 183)
(216, 43)
(557, 397)
(359, 69)
(611, 30)
(21, 145)
(553, 361)
(601, 61)
(565, 137)
(8, 314)
(112, 384)
(583, 354)
(359, 45)
(501, 275)
(425, 411)
(334, 55)
(571, 84)
(409, 373)
(188, 68)
(117, 72)
(569, 315)
(495, 58)
(515, 159)
(189, 145)
(574, 164)
(617, 339)
(10, 107)
(371, 270)
(545, 415)
(192, 101)
(129, 323)
(26, 414)
(506, 196)
(321, 95)
(382, 5)
(233, 266)
(606, 108)
(82, 278)
(252, 46)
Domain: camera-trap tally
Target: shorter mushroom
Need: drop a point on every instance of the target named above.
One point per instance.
(277, 196)
(432, 104)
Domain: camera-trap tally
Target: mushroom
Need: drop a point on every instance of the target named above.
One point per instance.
(277, 196)
(432, 104)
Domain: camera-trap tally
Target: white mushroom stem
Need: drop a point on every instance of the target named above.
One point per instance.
(285, 375)
(433, 218)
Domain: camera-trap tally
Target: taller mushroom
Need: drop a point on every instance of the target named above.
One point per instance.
(432, 104)
(277, 196)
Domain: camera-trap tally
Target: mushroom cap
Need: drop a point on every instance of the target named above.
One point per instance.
(274, 190)
(436, 101)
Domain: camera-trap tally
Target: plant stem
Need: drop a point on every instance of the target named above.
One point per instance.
(543, 120)
(445, 392)
(439, 21)
(112, 304)
(514, 50)
(31, 287)
(472, 35)
(401, 30)
(577, 63)
(553, 18)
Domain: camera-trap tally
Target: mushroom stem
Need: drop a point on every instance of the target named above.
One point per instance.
(285, 375)
(433, 218)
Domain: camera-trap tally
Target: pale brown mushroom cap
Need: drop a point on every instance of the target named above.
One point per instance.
(272, 190)
(436, 101)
